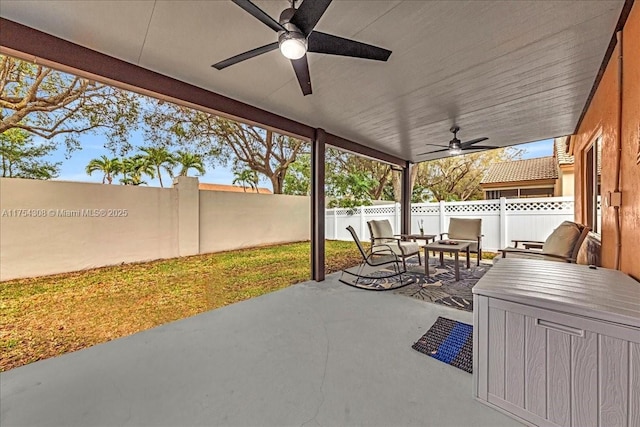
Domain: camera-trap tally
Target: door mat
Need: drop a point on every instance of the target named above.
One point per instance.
(450, 342)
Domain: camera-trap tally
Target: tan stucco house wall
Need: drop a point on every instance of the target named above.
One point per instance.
(601, 119)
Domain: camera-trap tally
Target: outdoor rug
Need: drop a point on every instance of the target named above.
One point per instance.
(450, 342)
(441, 286)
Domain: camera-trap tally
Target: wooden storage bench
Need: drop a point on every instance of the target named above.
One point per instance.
(558, 344)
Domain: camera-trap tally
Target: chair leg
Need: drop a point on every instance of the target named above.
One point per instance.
(419, 259)
(479, 255)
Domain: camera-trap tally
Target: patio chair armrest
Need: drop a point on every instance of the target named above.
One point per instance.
(403, 237)
(384, 238)
(528, 243)
(506, 251)
(387, 251)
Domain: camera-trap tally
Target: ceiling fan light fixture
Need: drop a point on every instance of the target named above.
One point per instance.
(293, 45)
(454, 148)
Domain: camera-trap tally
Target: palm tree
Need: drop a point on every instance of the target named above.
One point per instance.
(159, 158)
(188, 161)
(247, 178)
(133, 168)
(109, 167)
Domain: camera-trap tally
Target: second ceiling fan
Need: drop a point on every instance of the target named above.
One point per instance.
(456, 147)
(296, 37)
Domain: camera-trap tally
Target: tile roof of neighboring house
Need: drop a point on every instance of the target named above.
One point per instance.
(232, 188)
(560, 146)
(522, 170)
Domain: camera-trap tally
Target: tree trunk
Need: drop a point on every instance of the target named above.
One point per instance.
(397, 182)
(159, 176)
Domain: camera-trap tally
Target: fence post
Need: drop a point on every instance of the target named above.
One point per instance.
(335, 223)
(363, 221)
(442, 216)
(396, 215)
(503, 222)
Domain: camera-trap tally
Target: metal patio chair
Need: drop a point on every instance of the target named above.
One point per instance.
(382, 238)
(377, 259)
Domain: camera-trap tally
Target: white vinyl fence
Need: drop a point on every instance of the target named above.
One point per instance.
(502, 219)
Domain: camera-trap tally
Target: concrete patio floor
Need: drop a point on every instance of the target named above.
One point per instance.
(314, 354)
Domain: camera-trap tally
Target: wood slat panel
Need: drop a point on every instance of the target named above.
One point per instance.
(584, 380)
(634, 384)
(514, 358)
(558, 378)
(496, 352)
(480, 345)
(536, 368)
(614, 372)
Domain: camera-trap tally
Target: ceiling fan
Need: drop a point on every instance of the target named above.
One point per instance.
(456, 147)
(296, 37)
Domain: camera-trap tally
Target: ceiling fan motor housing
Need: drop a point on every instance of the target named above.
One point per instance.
(293, 43)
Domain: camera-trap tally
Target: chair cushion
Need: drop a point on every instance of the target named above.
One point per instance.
(410, 247)
(380, 228)
(465, 228)
(563, 239)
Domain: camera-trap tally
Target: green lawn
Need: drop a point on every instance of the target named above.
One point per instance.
(48, 316)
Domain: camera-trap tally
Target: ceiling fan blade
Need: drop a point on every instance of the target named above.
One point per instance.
(301, 67)
(473, 141)
(244, 56)
(308, 14)
(480, 147)
(430, 152)
(259, 14)
(334, 45)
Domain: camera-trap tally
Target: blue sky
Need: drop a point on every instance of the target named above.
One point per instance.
(73, 169)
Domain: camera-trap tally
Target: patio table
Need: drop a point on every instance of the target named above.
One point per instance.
(443, 246)
(425, 237)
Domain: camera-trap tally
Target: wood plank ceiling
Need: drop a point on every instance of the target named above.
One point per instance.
(513, 71)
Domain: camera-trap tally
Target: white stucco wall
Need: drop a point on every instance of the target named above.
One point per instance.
(36, 238)
(240, 220)
(49, 227)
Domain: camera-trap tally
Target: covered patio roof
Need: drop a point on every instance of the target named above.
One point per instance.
(515, 72)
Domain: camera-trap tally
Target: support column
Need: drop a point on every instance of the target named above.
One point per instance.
(317, 205)
(405, 201)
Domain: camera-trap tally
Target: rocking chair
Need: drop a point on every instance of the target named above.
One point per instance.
(372, 261)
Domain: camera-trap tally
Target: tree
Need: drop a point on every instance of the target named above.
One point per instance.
(246, 178)
(350, 180)
(187, 160)
(160, 158)
(458, 177)
(108, 167)
(49, 103)
(297, 181)
(377, 174)
(228, 141)
(21, 158)
(133, 168)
